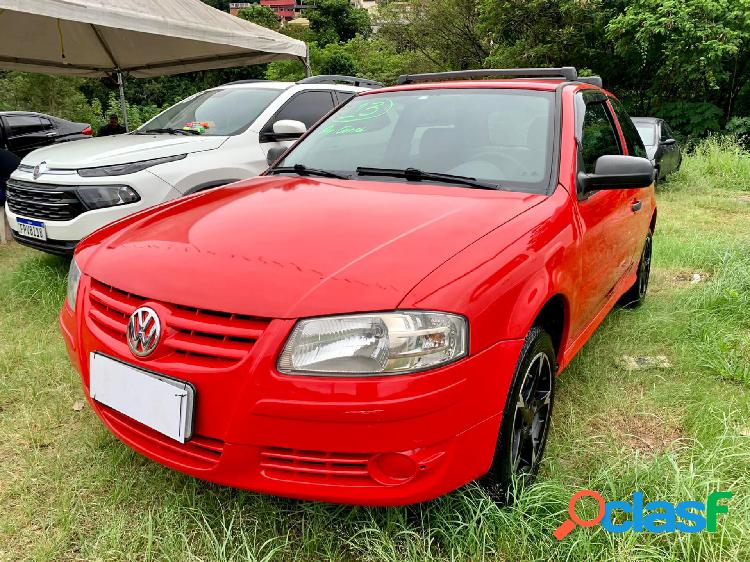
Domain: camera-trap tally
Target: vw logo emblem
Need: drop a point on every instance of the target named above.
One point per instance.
(39, 169)
(144, 331)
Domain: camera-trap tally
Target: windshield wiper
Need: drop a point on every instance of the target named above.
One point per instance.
(302, 170)
(413, 174)
(170, 131)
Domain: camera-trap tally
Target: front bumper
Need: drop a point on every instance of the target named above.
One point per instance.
(64, 235)
(320, 438)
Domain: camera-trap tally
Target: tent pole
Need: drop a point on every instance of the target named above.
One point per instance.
(306, 61)
(123, 105)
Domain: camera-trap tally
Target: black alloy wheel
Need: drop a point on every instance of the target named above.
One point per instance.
(526, 418)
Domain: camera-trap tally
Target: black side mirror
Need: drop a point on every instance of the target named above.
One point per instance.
(274, 154)
(616, 171)
(669, 142)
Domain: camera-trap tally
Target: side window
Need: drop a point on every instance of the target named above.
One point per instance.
(598, 136)
(23, 124)
(632, 138)
(307, 107)
(343, 97)
(666, 132)
(46, 124)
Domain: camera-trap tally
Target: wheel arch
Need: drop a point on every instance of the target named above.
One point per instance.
(652, 225)
(554, 318)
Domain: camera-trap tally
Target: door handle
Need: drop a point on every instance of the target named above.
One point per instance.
(51, 134)
(636, 206)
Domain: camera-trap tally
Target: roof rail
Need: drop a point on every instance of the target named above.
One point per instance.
(593, 80)
(568, 73)
(253, 81)
(337, 79)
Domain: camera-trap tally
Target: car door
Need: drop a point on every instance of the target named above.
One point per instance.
(307, 106)
(605, 217)
(27, 132)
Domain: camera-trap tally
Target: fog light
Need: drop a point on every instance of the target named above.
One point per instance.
(392, 468)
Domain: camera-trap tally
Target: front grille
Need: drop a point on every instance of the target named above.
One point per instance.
(193, 336)
(43, 201)
(200, 452)
(315, 466)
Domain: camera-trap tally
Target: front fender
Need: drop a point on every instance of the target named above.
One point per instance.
(502, 281)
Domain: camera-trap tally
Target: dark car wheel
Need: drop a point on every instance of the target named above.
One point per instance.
(526, 418)
(635, 296)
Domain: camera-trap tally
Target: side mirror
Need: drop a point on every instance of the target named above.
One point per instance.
(289, 128)
(274, 154)
(669, 142)
(616, 171)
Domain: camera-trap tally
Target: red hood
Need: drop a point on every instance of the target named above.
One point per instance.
(287, 247)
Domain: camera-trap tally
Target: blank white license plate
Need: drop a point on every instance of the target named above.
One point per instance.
(159, 402)
(32, 229)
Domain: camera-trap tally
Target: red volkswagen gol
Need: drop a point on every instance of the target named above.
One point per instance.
(379, 319)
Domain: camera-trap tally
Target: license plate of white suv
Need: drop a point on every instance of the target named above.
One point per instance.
(32, 229)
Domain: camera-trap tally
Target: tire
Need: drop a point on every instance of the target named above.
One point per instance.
(526, 420)
(634, 297)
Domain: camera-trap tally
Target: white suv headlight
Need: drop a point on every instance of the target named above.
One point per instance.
(74, 278)
(389, 343)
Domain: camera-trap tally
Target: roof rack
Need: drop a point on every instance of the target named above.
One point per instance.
(568, 73)
(253, 81)
(593, 80)
(337, 79)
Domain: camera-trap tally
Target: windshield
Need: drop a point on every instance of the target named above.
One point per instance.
(215, 113)
(647, 132)
(493, 135)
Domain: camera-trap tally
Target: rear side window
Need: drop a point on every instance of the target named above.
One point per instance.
(23, 124)
(632, 138)
(307, 107)
(598, 137)
(343, 97)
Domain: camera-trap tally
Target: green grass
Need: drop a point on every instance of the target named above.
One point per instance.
(70, 491)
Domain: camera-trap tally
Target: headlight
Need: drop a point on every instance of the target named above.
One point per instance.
(374, 344)
(124, 169)
(100, 196)
(74, 278)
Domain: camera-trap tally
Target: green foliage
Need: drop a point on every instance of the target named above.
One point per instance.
(337, 20)
(691, 118)
(55, 95)
(262, 15)
(444, 34)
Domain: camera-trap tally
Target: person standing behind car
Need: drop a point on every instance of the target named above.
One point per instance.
(113, 127)
(8, 163)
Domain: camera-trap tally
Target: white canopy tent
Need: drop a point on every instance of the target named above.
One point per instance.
(144, 38)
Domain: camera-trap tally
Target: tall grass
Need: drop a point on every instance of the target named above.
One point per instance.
(717, 162)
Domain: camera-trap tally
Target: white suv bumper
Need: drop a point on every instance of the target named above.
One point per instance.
(63, 235)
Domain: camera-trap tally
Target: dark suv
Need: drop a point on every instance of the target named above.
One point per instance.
(24, 131)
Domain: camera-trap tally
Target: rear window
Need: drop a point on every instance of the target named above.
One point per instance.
(647, 132)
(216, 112)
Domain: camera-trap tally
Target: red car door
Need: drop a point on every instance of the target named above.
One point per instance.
(605, 217)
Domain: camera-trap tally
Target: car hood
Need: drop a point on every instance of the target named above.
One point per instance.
(288, 247)
(119, 149)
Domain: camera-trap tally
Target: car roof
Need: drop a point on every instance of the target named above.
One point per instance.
(539, 84)
(281, 86)
(652, 120)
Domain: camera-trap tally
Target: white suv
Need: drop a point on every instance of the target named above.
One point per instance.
(62, 193)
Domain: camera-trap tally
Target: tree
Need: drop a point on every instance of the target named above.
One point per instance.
(332, 21)
(696, 50)
(444, 33)
(262, 15)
